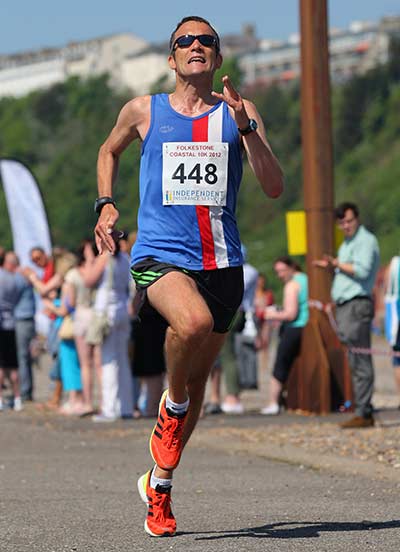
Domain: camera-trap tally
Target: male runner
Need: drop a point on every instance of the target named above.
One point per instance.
(186, 260)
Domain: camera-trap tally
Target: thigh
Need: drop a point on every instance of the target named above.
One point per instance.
(84, 350)
(354, 322)
(288, 349)
(176, 297)
(364, 313)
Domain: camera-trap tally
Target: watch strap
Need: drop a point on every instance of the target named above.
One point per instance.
(101, 201)
(252, 126)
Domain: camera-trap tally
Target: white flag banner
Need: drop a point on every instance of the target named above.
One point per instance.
(25, 209)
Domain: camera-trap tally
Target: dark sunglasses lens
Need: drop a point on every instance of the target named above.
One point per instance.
(206, 40)
(185, 41)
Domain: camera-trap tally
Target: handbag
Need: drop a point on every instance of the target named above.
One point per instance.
(99, 326)
(66, 330)
(392, 302)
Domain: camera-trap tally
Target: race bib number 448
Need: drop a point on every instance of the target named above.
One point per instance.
(195, 173)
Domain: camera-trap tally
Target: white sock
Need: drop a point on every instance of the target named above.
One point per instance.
(154, 481)
(176, 408)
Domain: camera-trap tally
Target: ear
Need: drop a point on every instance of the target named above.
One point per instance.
(219, 61)
(172, 62)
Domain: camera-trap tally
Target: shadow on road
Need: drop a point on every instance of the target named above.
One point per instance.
(299, 530)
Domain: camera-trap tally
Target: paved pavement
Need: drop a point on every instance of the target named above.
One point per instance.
(69, 485)
(244, 483)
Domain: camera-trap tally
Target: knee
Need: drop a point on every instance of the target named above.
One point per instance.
(195, 329)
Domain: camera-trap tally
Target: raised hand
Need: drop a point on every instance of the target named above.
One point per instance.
(105, 233)
(230, 95)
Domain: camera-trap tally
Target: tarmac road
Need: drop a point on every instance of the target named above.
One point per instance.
(70, 485)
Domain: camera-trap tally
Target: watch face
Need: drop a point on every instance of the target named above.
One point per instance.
(250, 128)
(253, 124)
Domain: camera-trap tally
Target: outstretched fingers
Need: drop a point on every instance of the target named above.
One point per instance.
(105, 233)
(229, 94)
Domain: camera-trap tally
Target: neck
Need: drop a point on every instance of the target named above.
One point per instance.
(192, 98)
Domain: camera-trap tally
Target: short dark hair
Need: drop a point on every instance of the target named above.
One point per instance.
(199, 20)
(341, 209)
(37, 248)
(288, 261)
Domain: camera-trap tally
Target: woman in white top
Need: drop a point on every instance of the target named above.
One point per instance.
(112, 298)
(82, 299)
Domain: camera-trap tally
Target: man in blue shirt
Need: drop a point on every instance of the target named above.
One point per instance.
(24, 314)
(9, 296)
(355, 271)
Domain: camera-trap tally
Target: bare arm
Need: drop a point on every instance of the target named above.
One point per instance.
(333, 263)
(91, 273)
(290, 304)
(45, 288)
(262, 161)
(63, 309)
(132, 123)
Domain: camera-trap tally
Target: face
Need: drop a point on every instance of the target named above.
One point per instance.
(39, 258)
(195, 59)
(283, 271)
(11, 262)
(348, 224)
(261, 281)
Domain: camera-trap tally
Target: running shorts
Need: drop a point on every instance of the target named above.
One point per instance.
(222, 289)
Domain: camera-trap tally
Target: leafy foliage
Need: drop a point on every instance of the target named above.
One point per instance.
(58, 132)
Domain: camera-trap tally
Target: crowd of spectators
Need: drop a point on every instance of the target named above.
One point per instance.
(80, 309)
(106, 361)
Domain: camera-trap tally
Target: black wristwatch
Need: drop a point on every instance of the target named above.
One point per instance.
(251, 127)
(101, 201)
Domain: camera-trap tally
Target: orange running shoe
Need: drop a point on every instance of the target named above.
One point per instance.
(166, 440)
(160, 521)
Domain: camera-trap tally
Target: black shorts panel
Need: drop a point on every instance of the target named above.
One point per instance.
(222, 289)
(8, 350)
(288, 350)
(148, 336)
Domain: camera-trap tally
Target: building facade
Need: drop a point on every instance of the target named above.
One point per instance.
(29, 71)
(134, 64)
(352, 51)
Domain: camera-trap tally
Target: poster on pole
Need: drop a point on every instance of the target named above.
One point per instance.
(297, 234)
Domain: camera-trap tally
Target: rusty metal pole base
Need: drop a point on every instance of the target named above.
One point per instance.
(319, 380)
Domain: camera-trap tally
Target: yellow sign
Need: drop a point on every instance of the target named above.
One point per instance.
(339, 237)
(296, 232)
(297, 235)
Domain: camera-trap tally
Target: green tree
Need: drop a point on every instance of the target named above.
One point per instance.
(231, 68)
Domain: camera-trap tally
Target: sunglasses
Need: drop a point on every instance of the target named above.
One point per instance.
(36, 258)
(185, 41)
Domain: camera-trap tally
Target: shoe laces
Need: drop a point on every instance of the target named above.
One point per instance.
(162, 506)
(173, 431)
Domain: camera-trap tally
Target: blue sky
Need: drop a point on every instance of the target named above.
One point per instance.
(29, 25)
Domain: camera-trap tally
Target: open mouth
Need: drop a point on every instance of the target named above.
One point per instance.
(196, 59)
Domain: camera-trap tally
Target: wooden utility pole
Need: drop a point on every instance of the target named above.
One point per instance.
(319, 369)
(316, 127)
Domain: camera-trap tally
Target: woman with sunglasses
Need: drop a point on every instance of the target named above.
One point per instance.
(186, 261)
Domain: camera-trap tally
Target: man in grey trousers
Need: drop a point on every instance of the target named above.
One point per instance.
(355, 271)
